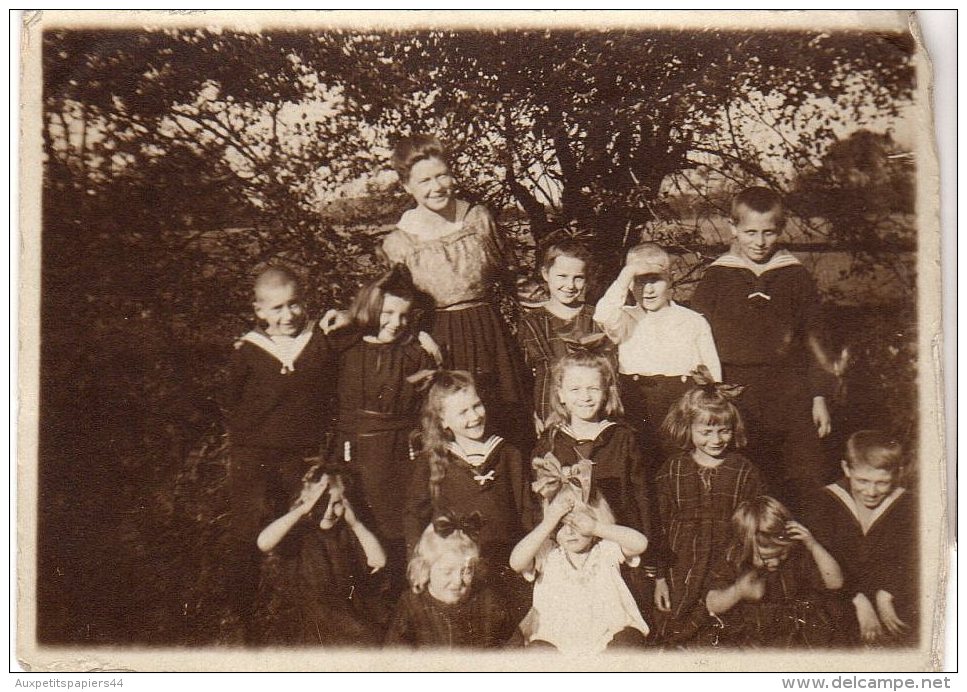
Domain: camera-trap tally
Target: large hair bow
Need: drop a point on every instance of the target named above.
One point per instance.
(449, 521)
(552, 477)
(702, 377)
(594, 344)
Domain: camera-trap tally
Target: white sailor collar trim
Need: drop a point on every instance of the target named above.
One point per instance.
(478, 459)
(782, 258)
(843, 495)
(604, 425)
(286, 355)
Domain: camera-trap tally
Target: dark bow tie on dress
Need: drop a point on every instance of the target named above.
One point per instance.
(552, 477)
(702, 377)
(448, 522)
(594, 344)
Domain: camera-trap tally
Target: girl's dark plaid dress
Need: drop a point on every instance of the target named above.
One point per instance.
(695, 507)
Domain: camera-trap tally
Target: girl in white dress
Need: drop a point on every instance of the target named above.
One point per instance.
(581, 603)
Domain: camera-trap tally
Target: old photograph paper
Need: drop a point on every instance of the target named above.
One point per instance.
(204, 193)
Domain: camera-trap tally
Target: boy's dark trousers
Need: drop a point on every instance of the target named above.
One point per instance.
(262, 484)
(776, 407)
(646, 400)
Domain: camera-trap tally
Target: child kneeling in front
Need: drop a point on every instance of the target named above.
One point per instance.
(776, 585)
(447, 606)
(868, 520)
(581, 603)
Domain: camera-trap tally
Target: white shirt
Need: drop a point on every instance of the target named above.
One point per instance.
(580, 609)
(671, 341)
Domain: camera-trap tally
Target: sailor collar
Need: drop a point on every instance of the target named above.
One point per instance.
(842, 494)
(477, 461)
(604, 425)
(782, 258)
(286, 351)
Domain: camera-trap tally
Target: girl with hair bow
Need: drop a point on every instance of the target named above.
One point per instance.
(699, 488)
(581, 603)
(586, 424)
(463, 467)
(448, 605)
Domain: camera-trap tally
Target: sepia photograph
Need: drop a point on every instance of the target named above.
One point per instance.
(438, 340)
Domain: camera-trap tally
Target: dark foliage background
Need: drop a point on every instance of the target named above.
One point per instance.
(178, 160)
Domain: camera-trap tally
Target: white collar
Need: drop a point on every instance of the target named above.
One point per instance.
(285, 353)
(602, 426)
(418, 220)
(782, 258)
(480, 458)
(843, 495)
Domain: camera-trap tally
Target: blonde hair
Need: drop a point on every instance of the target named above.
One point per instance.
(434, 438)
(698, 405)
(432, 547)
(612, 404)
(274, 276)
(876, 449)
(758, 523)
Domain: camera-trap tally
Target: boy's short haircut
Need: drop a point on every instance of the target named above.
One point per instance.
(653, 256)
(874, 448)
(758, 199)
(567, 247)
(275, 276)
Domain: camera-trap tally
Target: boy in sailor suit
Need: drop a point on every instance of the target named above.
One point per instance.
(275, 402)
(766, 319)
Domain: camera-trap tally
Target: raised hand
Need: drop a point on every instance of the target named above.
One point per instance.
(800, 533)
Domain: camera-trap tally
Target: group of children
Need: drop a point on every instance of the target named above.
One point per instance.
(432, 519)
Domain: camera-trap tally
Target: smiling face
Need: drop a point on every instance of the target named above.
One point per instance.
(566, 280)
(280, 307)
(393, 318)
(869, 486)
(756, 233)
(463, 414)
(431, 185)
(450, 578)
(711, 440)
(582, 392)
(655, 291)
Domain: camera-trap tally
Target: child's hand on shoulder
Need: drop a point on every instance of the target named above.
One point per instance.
(431, 347)
(333, 320)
